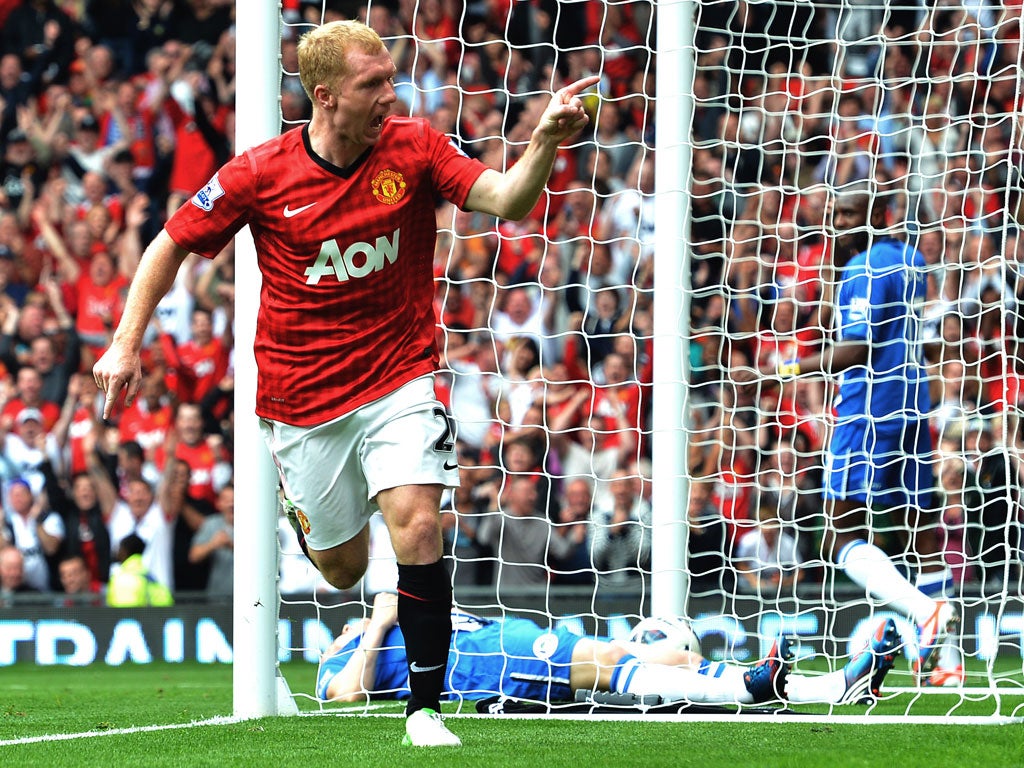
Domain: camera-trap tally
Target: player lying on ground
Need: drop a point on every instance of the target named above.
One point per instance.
(516, 658)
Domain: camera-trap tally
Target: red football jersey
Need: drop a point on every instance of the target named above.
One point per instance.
(50, 411)
(148, 428)
(80, 427)
(199, 368)
(201, 459)
(346, 254)
(194, 160)
(98, 305)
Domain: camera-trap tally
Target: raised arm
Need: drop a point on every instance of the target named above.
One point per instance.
(106, 492)
(512, 194)
(66, 264)
(356, 680)
(67, 411)
(121, 367)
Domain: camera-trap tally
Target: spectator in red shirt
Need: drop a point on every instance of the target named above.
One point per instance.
(29, 386)
(200, 144)
(72, 251)
(615, 416)
(201, 362)
(94, 188)
(128, 113)
(150, 418)
(201, 453)
(101, 292)
(77, 420)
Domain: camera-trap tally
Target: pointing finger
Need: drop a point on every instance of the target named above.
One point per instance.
(110, 397)
(579, 86)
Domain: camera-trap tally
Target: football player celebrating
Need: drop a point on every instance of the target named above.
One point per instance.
(516, 658)
(343, 215)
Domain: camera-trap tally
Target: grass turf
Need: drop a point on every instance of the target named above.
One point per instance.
(37, 701)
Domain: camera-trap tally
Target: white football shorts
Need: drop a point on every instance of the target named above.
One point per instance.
(333, 472)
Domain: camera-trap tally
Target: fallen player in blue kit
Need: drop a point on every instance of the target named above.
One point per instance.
(514, 657)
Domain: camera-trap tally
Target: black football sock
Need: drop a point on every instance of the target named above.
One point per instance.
(425, 616)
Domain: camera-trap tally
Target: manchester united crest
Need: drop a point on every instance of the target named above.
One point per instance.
(303, 521)
(388, 186)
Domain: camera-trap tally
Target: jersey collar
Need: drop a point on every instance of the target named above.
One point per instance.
(345, 172)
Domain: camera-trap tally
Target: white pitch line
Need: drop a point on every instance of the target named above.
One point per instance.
(796, 718)
(119, 731)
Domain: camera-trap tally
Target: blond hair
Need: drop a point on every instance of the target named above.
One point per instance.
(323, 52)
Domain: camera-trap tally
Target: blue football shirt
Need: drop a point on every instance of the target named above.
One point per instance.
(511, 656)
(880, 301)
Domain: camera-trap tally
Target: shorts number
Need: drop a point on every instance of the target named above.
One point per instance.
(445, 443)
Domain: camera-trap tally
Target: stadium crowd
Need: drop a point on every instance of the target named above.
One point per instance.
(114, 112)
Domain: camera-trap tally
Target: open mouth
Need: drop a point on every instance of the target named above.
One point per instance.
(377, 122)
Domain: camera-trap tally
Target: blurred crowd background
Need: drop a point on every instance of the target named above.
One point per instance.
(114, 112)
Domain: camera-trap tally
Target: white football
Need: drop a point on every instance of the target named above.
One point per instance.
(674, 630)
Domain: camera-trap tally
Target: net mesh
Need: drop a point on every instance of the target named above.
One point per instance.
(546, 325)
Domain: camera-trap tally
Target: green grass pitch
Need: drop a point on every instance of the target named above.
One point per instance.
(43, 701)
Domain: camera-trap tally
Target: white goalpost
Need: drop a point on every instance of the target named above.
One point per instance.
(676, 58)
(257, 688)
(643, 295)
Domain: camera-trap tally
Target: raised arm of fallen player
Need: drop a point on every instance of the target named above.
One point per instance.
(355, 682)
(120, 368)
(514, 193)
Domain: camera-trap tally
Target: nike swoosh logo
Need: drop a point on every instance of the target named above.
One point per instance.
(414, 667)
(451, 465)
(289, 212)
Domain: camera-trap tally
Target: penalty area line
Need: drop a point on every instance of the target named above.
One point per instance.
(119, 731)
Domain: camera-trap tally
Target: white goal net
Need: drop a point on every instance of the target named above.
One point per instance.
(548, 327)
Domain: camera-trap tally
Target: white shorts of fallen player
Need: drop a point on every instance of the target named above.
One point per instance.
(333, 472)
